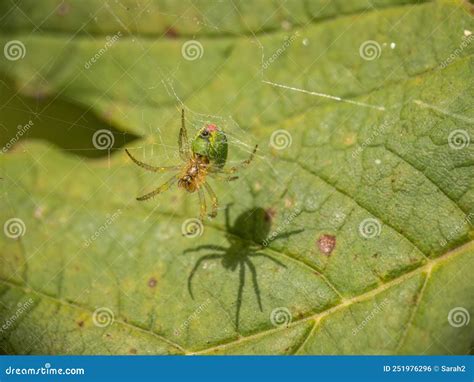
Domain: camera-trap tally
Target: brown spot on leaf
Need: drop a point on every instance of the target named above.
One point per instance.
(171, 33)
(152, 282)
(257, 186)
(107, 114)
(80, 324)
(40, 94)
(133, 351)
(326, 243)
(350, 139)
(63, 9)
(270, 213)
(39, 212)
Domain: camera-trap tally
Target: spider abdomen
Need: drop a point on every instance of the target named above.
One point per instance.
(194, 175)
(211, 143)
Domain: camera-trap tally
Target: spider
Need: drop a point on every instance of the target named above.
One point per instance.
(206, 155)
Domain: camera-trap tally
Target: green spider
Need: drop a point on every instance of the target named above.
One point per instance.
(207, 155)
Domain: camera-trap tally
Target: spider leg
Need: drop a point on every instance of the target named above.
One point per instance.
(208, 246)
(195, 268)
(202, 203)
(184, 149)
(214, 201)
(255, 282)
(159, 190)
(151, 168)
(242, 165)
(239, 293)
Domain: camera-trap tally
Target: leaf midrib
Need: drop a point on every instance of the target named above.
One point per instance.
(427, 267)
(317, 317)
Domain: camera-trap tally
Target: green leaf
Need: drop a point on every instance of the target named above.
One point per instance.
(355, 237)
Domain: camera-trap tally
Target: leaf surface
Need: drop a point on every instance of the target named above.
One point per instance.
(355, 238)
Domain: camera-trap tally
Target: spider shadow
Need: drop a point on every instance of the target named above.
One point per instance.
(246, 237)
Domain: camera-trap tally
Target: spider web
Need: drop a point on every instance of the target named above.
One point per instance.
(156, 151)
(239, 139)
(198, 118)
